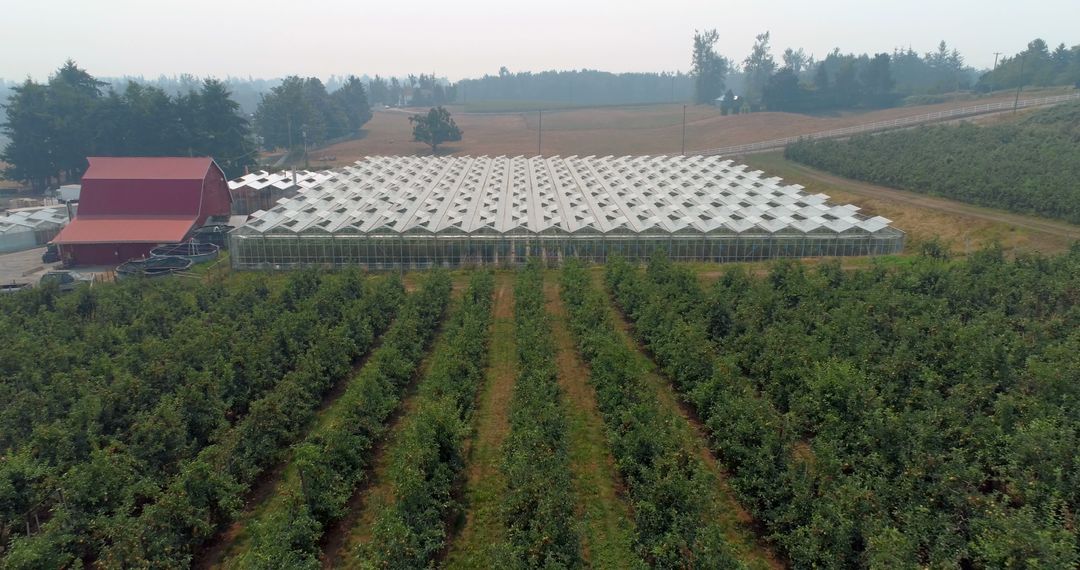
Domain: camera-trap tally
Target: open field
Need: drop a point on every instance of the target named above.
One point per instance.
(634, 130)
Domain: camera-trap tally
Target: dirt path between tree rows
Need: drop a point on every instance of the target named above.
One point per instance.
(606, 522)
(485, 483)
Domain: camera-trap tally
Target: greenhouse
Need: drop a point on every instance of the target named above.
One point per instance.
(27, 228)
(413, 212)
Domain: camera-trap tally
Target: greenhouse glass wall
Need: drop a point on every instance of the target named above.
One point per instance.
(414, 212)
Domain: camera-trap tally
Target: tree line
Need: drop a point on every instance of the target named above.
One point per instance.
(1028, 166)
(300, 112)
(52, 127)
(799, 83)
(1036, 66)
(576, 87)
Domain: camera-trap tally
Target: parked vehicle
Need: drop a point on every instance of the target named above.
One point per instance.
(51, 255)
(65, 280)
(13, 287)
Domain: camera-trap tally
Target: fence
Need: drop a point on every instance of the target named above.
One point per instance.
(889, 125)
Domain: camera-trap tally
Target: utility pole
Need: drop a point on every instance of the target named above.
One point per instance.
(303, 131)
(996, 54)
(539, 131)
(1016, 102)
(684, 130)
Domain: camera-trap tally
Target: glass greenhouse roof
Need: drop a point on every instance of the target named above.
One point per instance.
(543, 195)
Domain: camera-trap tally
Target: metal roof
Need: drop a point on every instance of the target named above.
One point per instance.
(630, 194)
(282, 180)
(147, 168)
(120, 229)
(31, 219)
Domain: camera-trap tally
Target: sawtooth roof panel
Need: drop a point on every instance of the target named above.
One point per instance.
(629, 194)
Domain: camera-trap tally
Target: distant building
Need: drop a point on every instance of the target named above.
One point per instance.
(68, 193)
(28, 228)
(128, 206)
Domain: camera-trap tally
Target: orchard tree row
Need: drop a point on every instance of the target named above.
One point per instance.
(670, 492)
(166, 401)
(331, 460)
(428, 460)
(919, 416)
(1028, 166)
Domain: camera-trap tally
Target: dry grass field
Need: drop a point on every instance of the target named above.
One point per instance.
(635, 130)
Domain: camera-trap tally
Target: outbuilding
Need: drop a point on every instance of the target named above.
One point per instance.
(130, 205)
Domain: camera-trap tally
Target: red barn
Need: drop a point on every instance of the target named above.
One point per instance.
(129, 206)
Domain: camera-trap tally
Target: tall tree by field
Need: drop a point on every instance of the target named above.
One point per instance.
(758, 67)
(435, 128)
(27, 123)
(709, 68)
(353, 100)
(797, 60)
(218, 127)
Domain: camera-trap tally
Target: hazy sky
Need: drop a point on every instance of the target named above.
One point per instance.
(462, 38)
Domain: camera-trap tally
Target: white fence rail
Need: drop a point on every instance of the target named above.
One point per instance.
(891, 124)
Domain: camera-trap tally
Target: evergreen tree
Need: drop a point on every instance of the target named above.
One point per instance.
(28, 125)
(758, 67)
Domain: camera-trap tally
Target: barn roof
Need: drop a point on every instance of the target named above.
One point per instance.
(125, 229)
(147, 168)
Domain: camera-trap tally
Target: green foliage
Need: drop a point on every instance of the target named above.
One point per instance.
(300, 109)
(435, 128)
(54, 127)
(428, 459)
(1037, 65)
(1030, 166)
(149, 407)
(539, 504)
(559, 89)
(668, 488)
(887, 418)
(709, 68)
(332, 459)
